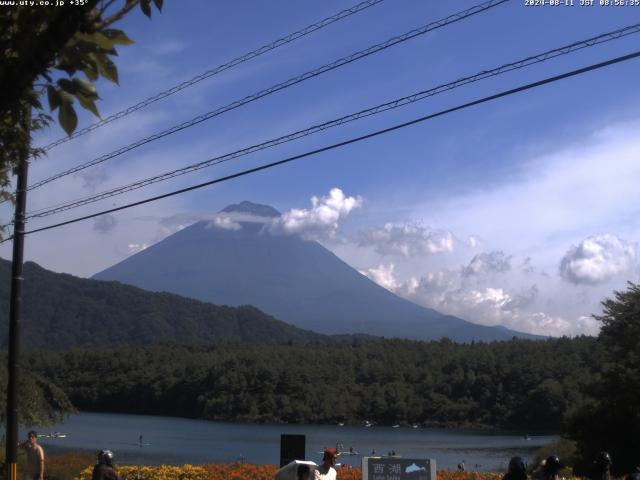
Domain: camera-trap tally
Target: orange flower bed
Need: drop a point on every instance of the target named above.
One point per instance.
(240, 471)
(243, 471)
(68, 465)
(458, 475)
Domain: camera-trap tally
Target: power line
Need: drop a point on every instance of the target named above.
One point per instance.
(281, 86)
(528, 61)
(350, 141)
(219, 69)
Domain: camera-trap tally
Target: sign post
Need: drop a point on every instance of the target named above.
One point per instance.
(398, 468)
(292, 447)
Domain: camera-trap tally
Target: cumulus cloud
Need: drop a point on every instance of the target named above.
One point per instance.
(527, 266)
(407, 240)
(447, 292)
(487, 263)
(383, 276)
(322, 219)
(597, 259)
(523, 298)
(105, 224)
(93, 178)
(225, 223)
(480, 297)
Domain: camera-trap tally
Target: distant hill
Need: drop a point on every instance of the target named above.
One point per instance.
(62, 311)
(301, 282)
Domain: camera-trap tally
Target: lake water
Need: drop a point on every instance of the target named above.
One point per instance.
(177, 441)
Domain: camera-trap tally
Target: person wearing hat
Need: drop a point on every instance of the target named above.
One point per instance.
(105, 468)
(326, 470)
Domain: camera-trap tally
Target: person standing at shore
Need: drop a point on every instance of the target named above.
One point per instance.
(35, 457)
(326, 471)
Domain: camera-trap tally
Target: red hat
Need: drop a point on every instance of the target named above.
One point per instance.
(330, 453)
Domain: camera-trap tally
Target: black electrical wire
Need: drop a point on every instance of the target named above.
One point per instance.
(528, 61)
(376, 133)
(281, 86)
(219, 69)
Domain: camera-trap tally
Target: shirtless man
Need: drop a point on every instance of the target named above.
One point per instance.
(326, 470)
(35, 458)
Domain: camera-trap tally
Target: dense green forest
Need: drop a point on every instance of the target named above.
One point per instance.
(517, 384)
(62, 311)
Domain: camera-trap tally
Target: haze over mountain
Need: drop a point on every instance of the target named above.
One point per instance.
(242, 258)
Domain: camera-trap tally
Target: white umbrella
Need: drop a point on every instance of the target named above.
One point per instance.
(290, 471)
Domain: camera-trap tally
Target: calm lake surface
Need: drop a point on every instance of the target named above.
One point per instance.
(171, 440)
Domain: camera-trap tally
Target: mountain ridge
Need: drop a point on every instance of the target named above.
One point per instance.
(293, 279)
(62, 311)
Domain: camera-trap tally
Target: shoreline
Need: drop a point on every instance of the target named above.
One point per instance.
(438, 426)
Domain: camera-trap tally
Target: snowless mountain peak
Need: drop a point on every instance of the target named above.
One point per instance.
(250, 208)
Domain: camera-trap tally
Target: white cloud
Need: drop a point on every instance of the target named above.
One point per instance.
(489, 305)
(92, 178)
(136, 247)
(168, 47)
(322, 219)
(483, 297)
(523, 299)
(597, 259)
(487, 263)
(383, 276)
(474, 241)
(105, 224)
(407, 239)
(225, 223)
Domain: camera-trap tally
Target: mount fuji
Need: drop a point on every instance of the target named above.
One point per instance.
(238, 260)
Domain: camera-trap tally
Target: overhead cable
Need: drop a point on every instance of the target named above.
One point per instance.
(334, 146)
(281, 86)
(219, 69)
(399, 102)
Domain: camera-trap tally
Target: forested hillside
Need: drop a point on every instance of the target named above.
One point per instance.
(516, 384)
(62, 311)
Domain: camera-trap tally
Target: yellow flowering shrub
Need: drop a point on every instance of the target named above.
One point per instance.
(242, 471)
(161, 472)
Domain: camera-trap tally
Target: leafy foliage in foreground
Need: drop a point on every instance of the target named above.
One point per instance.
(610, 420)
(40, 402)
(525, 384)
(43, 51)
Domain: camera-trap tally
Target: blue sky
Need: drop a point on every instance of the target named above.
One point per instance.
(519, 212)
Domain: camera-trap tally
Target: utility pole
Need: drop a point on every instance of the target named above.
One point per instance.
(15, 305)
